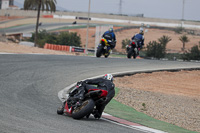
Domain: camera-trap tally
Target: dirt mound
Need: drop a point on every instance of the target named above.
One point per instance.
(173, 97)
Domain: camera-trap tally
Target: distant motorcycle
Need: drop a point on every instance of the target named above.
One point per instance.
(78, 108)
(103, 48)
(132, 49)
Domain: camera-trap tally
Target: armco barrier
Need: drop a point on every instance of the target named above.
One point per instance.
(66, 48)
(56, 47)
(47, 16)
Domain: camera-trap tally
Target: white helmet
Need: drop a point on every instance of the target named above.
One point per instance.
(109, 77)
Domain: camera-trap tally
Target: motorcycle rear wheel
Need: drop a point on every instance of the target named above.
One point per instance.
(85, 109)
(134, 55)
(130, 53)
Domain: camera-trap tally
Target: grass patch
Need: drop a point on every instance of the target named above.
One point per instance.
(120, 110)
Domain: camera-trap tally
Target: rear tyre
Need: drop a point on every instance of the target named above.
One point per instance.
(85, 109)
(130, 53)
(134, 55)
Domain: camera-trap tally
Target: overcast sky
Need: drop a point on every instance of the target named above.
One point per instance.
(169, 9)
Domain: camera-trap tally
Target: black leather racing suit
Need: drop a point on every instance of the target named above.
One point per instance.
(103, 84)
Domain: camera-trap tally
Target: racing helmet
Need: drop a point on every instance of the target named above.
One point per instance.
(110, 30)
(141, 32)
(108, 77)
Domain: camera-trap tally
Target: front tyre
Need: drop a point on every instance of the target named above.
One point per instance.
(60, 111)
(83, 110)
(99, 52)
(106, 56)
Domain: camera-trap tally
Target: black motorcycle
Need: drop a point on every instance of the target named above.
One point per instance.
(103, 48)
(132, 50)
(78, 108)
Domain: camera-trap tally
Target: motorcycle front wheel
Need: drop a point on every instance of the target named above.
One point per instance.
(99, 52)
(83, 110)
(60, 111)
(106, 56)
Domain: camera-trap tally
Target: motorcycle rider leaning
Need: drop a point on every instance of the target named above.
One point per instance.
(110, 35)
(139, 38)
(104, 83)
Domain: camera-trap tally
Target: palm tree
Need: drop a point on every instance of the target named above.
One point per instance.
(44, 5)
(184, 39)
(164, 40)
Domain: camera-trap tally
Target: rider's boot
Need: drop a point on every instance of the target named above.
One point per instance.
(138, 51)
(96, 114)
(87, 116)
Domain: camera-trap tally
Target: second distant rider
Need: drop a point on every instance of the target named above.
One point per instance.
(110, 35)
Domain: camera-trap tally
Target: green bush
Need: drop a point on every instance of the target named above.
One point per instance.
(156, 50)
(63, 38)
(193, 54)
(125, 42)
(70, 39)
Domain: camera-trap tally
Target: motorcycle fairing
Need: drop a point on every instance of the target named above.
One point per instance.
(67, 109)
(103, 94)
(104, 40)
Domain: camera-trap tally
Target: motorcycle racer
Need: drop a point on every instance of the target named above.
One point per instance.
(110, 35)
(104, 83)
(139, 38)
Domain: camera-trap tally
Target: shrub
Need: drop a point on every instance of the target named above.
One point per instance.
(155, 49)
(125, 42)
(64, 38)
(193, 54)
(70, 39)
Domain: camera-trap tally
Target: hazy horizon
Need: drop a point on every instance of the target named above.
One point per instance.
(167, 9)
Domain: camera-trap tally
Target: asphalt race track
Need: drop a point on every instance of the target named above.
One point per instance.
(29, 86)
(31, 27)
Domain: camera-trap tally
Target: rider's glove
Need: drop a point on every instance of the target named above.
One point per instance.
(79, 83)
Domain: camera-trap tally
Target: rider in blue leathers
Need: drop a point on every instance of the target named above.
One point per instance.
(110, 35)
(139, 38)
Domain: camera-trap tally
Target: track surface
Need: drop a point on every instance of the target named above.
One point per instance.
(31, 27)
(29, 86)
